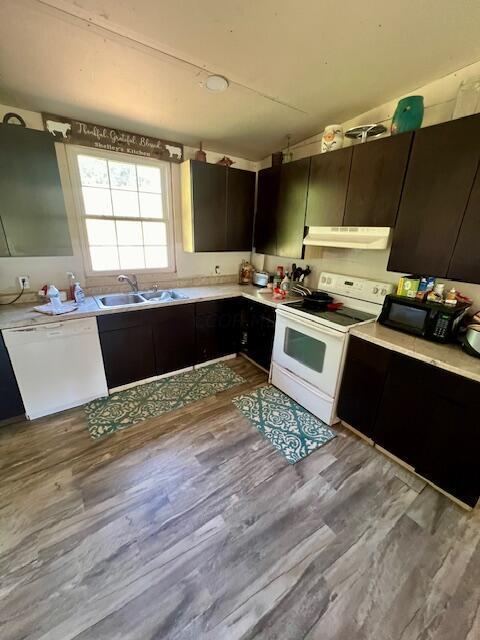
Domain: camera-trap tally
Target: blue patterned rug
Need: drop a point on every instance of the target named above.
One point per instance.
(126, 408)
(292, 430)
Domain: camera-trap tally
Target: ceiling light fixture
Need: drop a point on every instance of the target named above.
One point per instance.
(217, 84)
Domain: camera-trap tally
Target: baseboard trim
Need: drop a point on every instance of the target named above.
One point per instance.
(230, 356)
(259, 366)
(358, 433)
(137, 383)
(403, 464)
(409, 468)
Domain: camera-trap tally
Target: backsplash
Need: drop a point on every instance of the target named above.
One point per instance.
(95, 286)
(362, 263)
(146, 283)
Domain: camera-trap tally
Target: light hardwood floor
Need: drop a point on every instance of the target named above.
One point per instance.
(191, 526)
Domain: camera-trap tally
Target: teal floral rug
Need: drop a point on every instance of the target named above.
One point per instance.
(126, 408)
(292, 430)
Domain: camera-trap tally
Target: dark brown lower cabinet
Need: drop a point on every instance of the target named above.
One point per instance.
(450, 444)
(141, 344)
(422, 414)
(217, 328)
(128, 354)
(173, 337)
(11, 405)
(362, 384)
(399, 420)
(258, 331)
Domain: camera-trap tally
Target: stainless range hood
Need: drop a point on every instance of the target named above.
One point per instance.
(348, 237)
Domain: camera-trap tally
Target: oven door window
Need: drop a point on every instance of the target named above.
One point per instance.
(307, 350)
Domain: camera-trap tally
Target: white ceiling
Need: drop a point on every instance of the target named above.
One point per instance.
(294, 65)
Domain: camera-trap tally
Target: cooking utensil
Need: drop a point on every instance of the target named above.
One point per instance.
(300, 289)
(317, 300)
(334, 306)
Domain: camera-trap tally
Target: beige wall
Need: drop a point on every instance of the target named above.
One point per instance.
(439, 98)
(54, 269)
(439, 102)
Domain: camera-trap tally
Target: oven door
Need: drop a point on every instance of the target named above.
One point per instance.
(309, 351)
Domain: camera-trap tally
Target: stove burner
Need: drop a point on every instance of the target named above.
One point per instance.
(343, 316)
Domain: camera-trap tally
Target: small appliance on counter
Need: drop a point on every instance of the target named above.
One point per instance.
(471, 339)
(260, 278)
(435, 321)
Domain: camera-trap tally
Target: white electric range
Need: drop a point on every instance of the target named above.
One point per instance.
(310, 345)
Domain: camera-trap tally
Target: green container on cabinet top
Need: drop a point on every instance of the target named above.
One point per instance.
(408, 114)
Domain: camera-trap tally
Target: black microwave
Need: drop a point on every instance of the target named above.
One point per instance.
(429, 320)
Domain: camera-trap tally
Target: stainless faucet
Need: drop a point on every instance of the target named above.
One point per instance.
(132, 281)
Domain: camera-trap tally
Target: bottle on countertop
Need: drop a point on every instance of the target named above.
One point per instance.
(54, 295)
(451, 297)
(78, 294)
(71, 285)
(438, 293)
(278, 277)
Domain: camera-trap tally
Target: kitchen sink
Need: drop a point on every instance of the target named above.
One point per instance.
(143, 297)
(163, 295)
(120, 299)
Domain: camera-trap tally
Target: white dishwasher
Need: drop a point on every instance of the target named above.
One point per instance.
(57, 365)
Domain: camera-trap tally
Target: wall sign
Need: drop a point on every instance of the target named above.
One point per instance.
(97, 136)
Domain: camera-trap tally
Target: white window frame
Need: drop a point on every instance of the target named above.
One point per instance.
(73, 151)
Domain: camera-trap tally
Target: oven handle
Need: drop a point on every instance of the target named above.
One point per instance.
(313, 325)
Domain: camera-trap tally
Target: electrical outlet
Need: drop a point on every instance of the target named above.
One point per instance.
(24, 282)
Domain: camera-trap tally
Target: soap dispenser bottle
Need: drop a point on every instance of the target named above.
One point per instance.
(54, 295)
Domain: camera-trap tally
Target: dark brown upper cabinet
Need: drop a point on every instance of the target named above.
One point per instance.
(327, 188)
(4, 252)
(291, 207)
(439, 179)
(376, 180)
(32, 208)
(281, 206)
(465, 263)
(240, 209)
(217, 207)
(265, 238)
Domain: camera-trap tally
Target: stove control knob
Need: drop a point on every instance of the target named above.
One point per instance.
(324, 279)
(384, 292)
(375, 290)
(329, 281)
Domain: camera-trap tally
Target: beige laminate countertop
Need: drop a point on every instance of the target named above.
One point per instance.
(446, 356)
(22, 315)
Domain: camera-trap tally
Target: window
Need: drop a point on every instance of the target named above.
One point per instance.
(125, 209)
